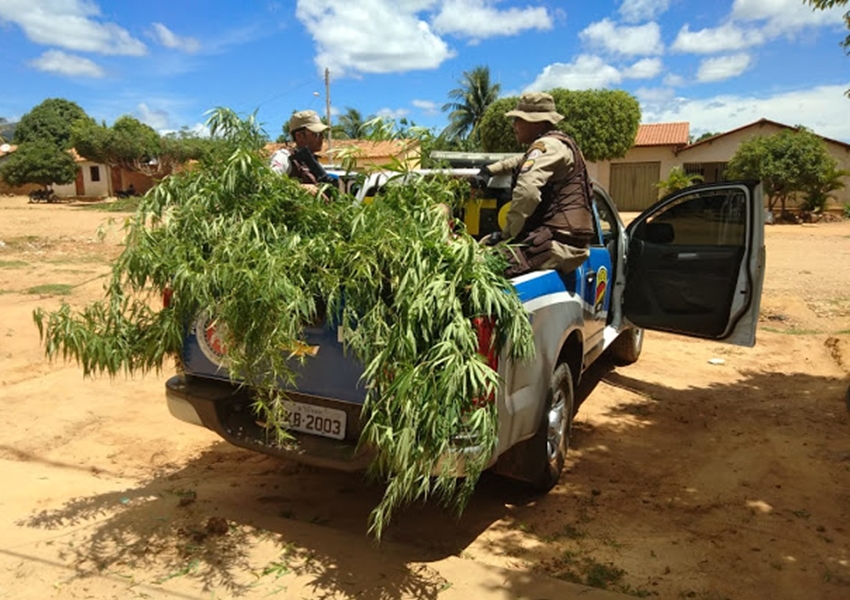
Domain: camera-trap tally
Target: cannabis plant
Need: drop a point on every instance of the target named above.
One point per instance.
(266, 258)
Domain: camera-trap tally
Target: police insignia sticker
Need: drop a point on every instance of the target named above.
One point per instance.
(529, 159)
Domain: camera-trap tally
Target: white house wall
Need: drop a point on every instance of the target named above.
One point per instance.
(723, 148)
(92, 189)
(601, 171)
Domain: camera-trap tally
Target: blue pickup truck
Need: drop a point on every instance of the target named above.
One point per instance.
(692, 264)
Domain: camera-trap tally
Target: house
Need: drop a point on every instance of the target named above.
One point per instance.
(709, 157)
(631, 180)
(661, 146)
(96, 180)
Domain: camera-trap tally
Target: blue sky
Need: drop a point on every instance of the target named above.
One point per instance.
(717, 64)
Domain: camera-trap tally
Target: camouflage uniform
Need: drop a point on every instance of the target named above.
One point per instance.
(550, 215)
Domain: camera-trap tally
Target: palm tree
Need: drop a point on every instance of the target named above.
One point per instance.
(469, 102)
(352, 125)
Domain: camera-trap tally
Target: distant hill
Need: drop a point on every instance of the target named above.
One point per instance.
(7, 131)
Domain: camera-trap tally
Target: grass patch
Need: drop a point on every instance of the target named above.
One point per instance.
(792, 331)
(79, 259)
(119, 205)
(26, 242)
(52, 289)
(12, 264)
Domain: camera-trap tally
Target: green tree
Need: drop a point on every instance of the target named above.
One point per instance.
(786, 163)
(133, 145)
(469, 103)
(39, 162)
(820, 190)
(351, 125)
(677, 180)
(704, 136)
(604, 123)
(52, 121)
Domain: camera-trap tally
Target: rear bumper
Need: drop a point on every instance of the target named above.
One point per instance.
(227, 410)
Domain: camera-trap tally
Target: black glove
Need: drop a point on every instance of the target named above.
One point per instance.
(482, 178)
(492, 239)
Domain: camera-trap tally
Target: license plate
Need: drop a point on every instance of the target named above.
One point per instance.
(318, 420)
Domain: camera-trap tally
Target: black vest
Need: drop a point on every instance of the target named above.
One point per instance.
(564, 207)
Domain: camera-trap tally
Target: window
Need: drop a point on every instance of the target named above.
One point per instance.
(607, 221)
(95, 173)
(704, 218)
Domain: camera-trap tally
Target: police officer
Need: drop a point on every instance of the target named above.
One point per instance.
(306, 129)
(550, 217)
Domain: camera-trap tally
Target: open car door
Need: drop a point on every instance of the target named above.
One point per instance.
(695, 263)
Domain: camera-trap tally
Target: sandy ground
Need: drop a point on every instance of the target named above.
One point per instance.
(687, 479)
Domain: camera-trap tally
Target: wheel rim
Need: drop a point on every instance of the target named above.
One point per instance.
(557, 418)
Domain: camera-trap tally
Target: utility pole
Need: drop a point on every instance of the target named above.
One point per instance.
(328, 110)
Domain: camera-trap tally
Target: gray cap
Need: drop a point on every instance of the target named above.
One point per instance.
(535, 107)
(306, 118)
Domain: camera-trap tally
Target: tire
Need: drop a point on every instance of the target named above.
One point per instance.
(552, 440)
(626, 349)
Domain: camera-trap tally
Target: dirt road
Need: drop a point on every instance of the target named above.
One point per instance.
(687, 478)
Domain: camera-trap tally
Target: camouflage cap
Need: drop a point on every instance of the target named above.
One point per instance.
(306, 118)
(535, 107)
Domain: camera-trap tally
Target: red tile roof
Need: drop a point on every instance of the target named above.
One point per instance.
(663, 134)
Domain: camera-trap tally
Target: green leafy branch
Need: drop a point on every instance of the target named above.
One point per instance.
(265, 258)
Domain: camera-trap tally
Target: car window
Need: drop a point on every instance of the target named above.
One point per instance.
(606, 225)
(711, 217)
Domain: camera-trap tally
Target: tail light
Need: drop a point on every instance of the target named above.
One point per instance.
(167, 294)
(485, 329)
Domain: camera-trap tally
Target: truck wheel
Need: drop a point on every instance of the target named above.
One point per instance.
(552, 439)
(625, 350)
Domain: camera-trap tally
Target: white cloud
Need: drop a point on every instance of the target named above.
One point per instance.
(372, 36)
(392, 113)
(589, 72)
(784, 16)
(655, 96)
(56, 61)
(395, 36)
(823, 109)
(634, 11)
(427, 106)
(642, 40)
(156, 118)
(584, 73)
(673, 80)
(726, 38)
(646, 68)
(169, 39)
(480, 19)
(723, 67)
(70, 24)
